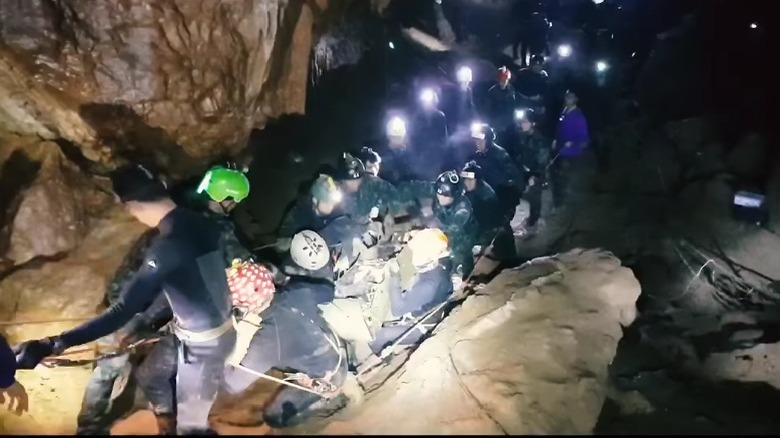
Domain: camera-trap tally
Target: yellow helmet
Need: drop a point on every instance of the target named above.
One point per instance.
(428, 245)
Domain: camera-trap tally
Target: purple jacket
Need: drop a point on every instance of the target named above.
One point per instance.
(7, 364)
(572, 127)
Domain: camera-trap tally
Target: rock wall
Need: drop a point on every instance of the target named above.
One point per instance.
(527, 355)
(72, 287)
(180, 81)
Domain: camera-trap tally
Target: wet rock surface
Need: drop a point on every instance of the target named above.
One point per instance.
(178, 81)
(49, 215)
(527, 355)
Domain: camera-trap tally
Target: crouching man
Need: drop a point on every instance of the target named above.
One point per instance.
(282, 329)
(431, 286)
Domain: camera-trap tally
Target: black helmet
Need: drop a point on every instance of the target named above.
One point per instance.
(368, 156)
(537, 60)
(471, 170)
(137, 183)
(448, 184)
(483, 131)
(350, 168)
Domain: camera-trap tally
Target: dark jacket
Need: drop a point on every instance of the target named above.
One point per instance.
(498, 168)
(400, 165)
(429, 289)
(429, 129)
(500, 106)
(303, 216)
(465, 113)
(485, 204)
(530, 84)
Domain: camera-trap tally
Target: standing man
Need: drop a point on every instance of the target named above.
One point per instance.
(501, 101)
(185, 264)
(497, 167)
(570, 142)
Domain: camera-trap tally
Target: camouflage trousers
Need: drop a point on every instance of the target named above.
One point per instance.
(94, 417)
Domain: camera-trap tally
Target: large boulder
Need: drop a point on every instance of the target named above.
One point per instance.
(43, 301)
(178, 80)
(48, 213)
(527, 355)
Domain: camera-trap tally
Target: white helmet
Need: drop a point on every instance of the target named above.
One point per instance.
(309, 250)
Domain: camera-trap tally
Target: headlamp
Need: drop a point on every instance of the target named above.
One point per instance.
(464, 74)
(564, 51)
(396, 127)
(476, 130)
(427, 96)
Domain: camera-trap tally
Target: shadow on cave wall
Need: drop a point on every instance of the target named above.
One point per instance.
(133, 139)
(18, 172)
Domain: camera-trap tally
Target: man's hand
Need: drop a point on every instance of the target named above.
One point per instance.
(341, 266)
(377, 229)
(30, 353)
(283, 244)
(16, 396)
(126, 339)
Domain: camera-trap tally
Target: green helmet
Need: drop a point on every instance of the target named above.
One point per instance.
(221, 183)
(324, 189)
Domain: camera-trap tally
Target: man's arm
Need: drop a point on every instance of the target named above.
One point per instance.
(289, 222)
(139, 293)
(231, 247)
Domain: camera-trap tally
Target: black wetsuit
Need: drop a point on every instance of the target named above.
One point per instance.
(185, 262)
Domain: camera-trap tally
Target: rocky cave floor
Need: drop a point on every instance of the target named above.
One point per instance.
(698, 359)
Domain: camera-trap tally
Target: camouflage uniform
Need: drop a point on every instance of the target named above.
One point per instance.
(302, 216)
(533, 154)
(484, 202)
(458, 223)
(231, 246)
(373, 192)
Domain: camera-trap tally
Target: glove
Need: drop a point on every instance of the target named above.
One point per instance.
(283, 244)
(30, 353)
(341, 266)
(377, 229)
